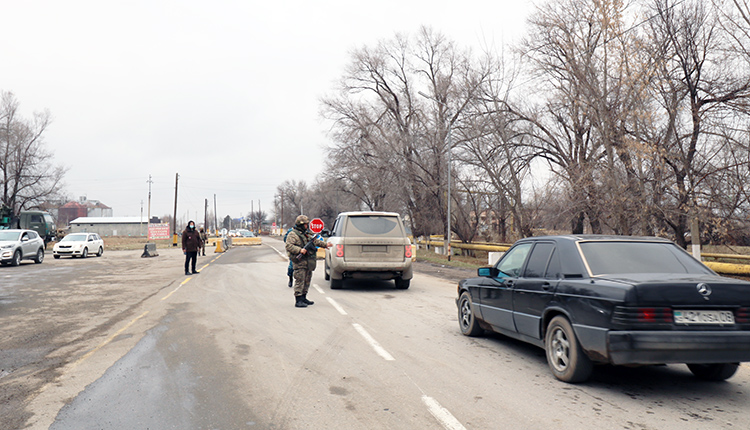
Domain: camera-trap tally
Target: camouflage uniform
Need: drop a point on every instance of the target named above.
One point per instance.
(303, 266)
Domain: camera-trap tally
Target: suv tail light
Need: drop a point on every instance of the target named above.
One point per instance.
(407, 251)
(339, 250)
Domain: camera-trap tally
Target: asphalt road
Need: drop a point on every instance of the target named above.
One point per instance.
(120, 342)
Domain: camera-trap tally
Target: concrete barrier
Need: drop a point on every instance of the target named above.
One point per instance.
(149, 250)
(246, 241)
(222, 244)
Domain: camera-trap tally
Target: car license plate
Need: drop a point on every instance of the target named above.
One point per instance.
(374, 248)
(703, 317)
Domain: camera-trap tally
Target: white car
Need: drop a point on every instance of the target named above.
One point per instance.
(79, 245)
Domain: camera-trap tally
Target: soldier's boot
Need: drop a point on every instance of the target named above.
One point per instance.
(291, 281)
(307, 302)
(299, 302)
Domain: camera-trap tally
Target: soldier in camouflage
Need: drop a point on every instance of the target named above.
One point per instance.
(303, 262)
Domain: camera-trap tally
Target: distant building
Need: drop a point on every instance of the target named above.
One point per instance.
(82, 208)
(110, 226)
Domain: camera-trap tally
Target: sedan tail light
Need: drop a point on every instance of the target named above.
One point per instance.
(339, 250)
(407, 251)
(742, 316)
(625, 316)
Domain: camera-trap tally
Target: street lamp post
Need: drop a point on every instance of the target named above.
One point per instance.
(447, 238)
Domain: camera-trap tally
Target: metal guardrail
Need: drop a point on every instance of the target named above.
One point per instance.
(496, 247)
(718, 267)
(725, 256)
(729, 268)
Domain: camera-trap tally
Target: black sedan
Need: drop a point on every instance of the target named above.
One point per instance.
(611, 299)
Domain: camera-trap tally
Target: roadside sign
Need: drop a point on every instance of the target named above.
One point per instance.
(158, 231)
(316, 225)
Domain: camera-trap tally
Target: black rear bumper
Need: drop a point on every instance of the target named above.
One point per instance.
(660, 347)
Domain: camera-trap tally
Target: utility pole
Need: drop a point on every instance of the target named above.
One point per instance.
(260, 220)
(174, 216)
(216, 220)
(205, 216)
(141, 217)
(252, 216)
(149, 199)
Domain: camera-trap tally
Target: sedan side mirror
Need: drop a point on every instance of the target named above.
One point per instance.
(488, 272)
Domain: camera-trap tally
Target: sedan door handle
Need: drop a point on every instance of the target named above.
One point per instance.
(546, 286)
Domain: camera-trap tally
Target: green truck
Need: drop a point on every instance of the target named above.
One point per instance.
(39, 221)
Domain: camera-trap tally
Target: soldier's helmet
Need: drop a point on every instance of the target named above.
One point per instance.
(302, 219)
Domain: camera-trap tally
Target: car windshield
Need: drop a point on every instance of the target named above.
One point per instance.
(370, 225)
(9, 235)
(75, 238)
(618, 257)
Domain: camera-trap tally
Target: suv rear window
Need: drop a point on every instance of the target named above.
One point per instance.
(369, 225)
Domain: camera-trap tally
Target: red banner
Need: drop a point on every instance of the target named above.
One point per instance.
(158, 231)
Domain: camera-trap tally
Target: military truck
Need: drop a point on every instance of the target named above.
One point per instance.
(39, 221)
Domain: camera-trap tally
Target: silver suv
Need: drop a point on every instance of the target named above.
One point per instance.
(369, 245)
(17, 245)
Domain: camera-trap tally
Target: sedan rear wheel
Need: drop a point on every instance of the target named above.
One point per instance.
(714, 372)
(16, 258)
(85, 253)
(466, 319)
(565, 357)
(100, 252)
(39, 256)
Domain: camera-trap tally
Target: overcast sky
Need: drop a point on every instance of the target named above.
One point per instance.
(225, 93)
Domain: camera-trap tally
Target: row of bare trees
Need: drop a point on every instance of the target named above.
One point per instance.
(611, 116)
(27, 174)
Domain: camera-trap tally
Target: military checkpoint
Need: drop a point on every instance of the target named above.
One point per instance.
(340, 215)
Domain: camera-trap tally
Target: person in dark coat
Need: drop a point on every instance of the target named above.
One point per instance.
(191, 243)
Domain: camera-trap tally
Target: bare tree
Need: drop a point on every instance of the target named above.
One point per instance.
(701, 86)
(27, 173)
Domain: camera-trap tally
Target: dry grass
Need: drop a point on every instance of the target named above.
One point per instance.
(466, 262)
(123, 243)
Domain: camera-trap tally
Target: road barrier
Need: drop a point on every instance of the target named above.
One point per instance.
(222, 244)
(246, 241)
(149, 250)
(729, 268)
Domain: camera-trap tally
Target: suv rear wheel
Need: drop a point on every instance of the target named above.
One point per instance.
(402, 284)
(39, 256)
(336, 284)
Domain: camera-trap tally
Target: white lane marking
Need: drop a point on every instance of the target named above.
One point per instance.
(336, 305)
(446, 419)
(283, 255)
(320, 290)
(373, 343)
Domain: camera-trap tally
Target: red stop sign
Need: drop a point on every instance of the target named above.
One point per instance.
(316, 225)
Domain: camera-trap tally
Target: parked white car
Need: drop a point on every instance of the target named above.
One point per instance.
(17, 245)
(79, 245)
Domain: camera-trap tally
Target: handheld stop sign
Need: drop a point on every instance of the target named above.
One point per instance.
(316, 225)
